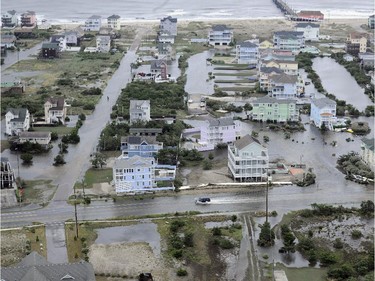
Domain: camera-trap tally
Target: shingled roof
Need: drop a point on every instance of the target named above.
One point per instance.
(245, 141)
(221, 122)
(20, 112)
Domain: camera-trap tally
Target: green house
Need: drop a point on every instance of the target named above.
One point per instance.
(271, 109)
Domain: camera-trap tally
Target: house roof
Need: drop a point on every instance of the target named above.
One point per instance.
(95, 17)
(8, 38)
(369, 143)
(357, 35)
(286, 61)
(245, 141)
(12, 12)
(247, 44)
(220, 27)
(323, 102)
(35, 134)
(267, 99)
(34, 267)
(20, 112)
(310, 13)
(106, 39)
(139, 140)
(113, 17)
(145, 130)
(284, 78)
(56, 38)
(306, 24)
(135, 161)
(169, 18)
(50, 46)
(270, 70)
(137, 103)
(60, 102)
(28, 13)
(156, 64)
(221, 122)
(288, 34)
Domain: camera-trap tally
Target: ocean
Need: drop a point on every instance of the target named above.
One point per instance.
(77, 11)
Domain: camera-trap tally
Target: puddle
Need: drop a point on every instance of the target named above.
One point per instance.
(145, 232)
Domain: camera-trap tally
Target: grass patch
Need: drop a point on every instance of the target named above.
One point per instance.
(233, 81)
(306, 273)
(234, 74)
(96, 176)
(236, 89)
(4, 145)
(33, 194)
(60, 130)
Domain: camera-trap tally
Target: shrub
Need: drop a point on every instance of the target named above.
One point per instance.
(177, 253)
(54, 136)
(188, 239)
(216, 231)
(338, 244)
(327, 258)
(182, 272)
(233, 218)
(356, 234)
(207, 164)
(27, 158)
(226, 244)
(82, 117)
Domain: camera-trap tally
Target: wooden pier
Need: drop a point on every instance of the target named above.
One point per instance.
(283, 6)
(290, 14)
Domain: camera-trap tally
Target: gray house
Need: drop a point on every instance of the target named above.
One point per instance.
(34, 267)
(169, 24)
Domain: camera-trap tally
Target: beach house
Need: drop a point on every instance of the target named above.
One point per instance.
(55, 110)
(145, 146)
(247, 160)
(50, 50)
(221, 130)
(310, 30)
(8, 40)
(139, 110)
(288, 67)
(93, 23)
(283, 86)
(264, 76)
(275, 110)
(220, 35)
(17, 120)
(114, 22)
(289, 40)
(247, 53)
(371, 22)
(168, 24)
(28, 19)
(356, 43)
(42, 138)
(9, 19)
(103, 43)
(323, 113)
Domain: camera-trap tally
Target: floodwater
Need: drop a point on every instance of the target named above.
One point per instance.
(338, 81)
(144, 232)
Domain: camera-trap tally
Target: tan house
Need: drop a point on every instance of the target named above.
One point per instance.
(356, 39)
(55, 110)
(265, 45)
(42, 138)
(288, 67)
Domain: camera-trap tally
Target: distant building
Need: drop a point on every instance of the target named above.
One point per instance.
(50, 50)
(247, 160)
(134, 174)
(145, 131)
(247, 53)
(35, 267)
(371, 21)
(323, 111)
(289, 40)
(114, 22)
(348, 57)
(55, 110)
(168, 24)
(44, 25)
(9, 19)
(221, 130)
(356, 43)
(310, 30)
(220, 35)
(271, 109)
(288, 67)
(141, 146)
(139, 110)
(165, 37)
(367, 152)
(12, 88)
(28, 19)
(8, 40)
(157, 66)
(166, 51)
(311, 15)
(42, 138)
(93, 23)
(17, 120)
(103, 43)
(283, 86)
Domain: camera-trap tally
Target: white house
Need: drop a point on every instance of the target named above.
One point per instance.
(283, 86)
(310, 30)
(220, 35)
(93, 23)
(166, 37)
(323, 111)
(247, 53)
(134, 174)
(288, 67)
(168, 24)
(367, 152)
(289, 40)
(221, 130)
(103, 43)
(139, 110)
(8, 40)
(42, 138)
(247, 160)
(55, 110)
(9, 19)
(17, 120)
(114, 22)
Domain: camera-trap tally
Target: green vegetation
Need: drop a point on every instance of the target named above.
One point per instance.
(59, 160)
(27, 158)
(352, 164)
(266, 236)
(33, 191)
(96, 176)
(289, 239)
(98, 160)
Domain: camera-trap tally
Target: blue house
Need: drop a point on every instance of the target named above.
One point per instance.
(323, 111)
(247, 52)
(140, 145)
(283, 86)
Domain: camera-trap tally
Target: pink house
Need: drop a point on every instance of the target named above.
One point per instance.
(222, 130)
(28, 19)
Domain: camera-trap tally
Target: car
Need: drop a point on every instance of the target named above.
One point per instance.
(203, 200)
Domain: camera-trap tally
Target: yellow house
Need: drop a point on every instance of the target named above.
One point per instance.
(358, 38)
(288, 67)
(265, 45)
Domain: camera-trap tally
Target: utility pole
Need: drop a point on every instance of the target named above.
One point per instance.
(267, 198)
(75, 215)
(83, 188)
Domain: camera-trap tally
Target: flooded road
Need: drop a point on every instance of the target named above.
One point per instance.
(338, 81)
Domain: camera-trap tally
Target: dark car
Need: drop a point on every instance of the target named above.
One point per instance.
(203, 200)
(145, 277)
